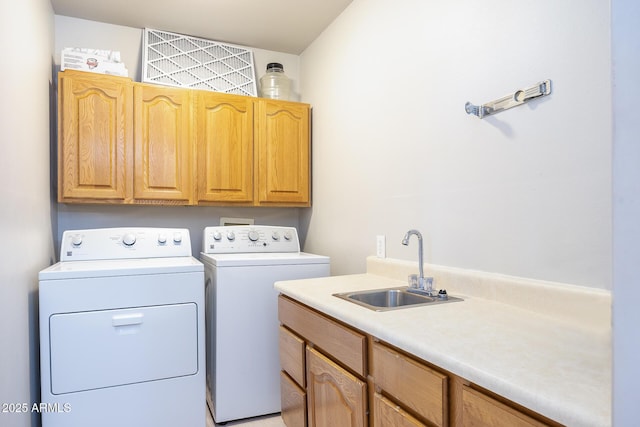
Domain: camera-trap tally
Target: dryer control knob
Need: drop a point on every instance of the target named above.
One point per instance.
(76, 240)
(129, 239)
(177, 237)
(231, 236)
(217, 235)
(287, 235)
(275, 236)
(253, 235)
(162, 238)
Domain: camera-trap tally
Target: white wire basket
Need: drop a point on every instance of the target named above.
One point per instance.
(184, 61)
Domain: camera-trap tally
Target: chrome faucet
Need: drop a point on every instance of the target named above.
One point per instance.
(424, 284)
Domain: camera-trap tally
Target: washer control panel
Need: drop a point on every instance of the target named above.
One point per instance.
(250, 239)
(124, 243)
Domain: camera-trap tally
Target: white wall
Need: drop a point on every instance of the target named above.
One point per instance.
(526, 192)
(26, 43)
(626, 208)
(73, 32)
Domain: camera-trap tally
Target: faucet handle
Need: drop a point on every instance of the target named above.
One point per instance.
(426, 284)
(413, 281)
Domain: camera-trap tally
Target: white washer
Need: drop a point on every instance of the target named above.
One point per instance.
(122, 330)
(242, 263)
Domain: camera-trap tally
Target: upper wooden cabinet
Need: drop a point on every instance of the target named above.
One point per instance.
(95, 138)
(224, 129)
(126, 142)
(283, 152)
(163, 148)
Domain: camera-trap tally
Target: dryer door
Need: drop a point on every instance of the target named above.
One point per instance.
(107, 348)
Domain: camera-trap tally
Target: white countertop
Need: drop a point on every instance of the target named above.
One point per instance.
(558, 369)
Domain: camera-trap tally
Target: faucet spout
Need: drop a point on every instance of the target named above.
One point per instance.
(405, 241)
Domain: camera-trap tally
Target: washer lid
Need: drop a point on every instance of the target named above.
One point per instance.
(120, 267)
(259, 259)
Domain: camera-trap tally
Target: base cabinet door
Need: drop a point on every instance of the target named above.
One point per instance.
(334, 396)
(387, 414)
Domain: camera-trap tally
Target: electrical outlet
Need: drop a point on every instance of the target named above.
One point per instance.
(381, 250)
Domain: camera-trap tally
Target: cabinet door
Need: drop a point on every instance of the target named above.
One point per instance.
(224, 127)
(386, 414)
(334, 396)
(163, 145)
(94, 125)
(283, 153)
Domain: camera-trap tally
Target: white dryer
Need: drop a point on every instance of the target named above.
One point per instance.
(242, 263)
(122, 330)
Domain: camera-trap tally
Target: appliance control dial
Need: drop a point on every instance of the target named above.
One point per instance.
(253, 235)
(76, 240)
(231, 236)
(217, 235)
(287, 235)
(177, 237)
(129, 239)
(162, 238)
(275, 236)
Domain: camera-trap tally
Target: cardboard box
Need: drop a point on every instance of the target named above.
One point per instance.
(93, 60)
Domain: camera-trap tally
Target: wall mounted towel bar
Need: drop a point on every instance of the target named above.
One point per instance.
(519, 97)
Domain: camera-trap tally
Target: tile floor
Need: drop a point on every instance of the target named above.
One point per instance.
(266, 421)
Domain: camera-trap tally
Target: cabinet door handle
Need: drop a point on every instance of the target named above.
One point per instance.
(127, 319)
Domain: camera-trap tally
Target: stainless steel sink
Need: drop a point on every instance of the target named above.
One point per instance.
(391, 299)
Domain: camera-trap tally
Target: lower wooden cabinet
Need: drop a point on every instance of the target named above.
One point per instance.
(334, 375)
(334, 397)
(324, 361)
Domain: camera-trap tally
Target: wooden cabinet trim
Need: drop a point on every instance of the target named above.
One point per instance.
(342, 343)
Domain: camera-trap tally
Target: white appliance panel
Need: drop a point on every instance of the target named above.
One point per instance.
(244, 362)
(122, 338)
(107, 348)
